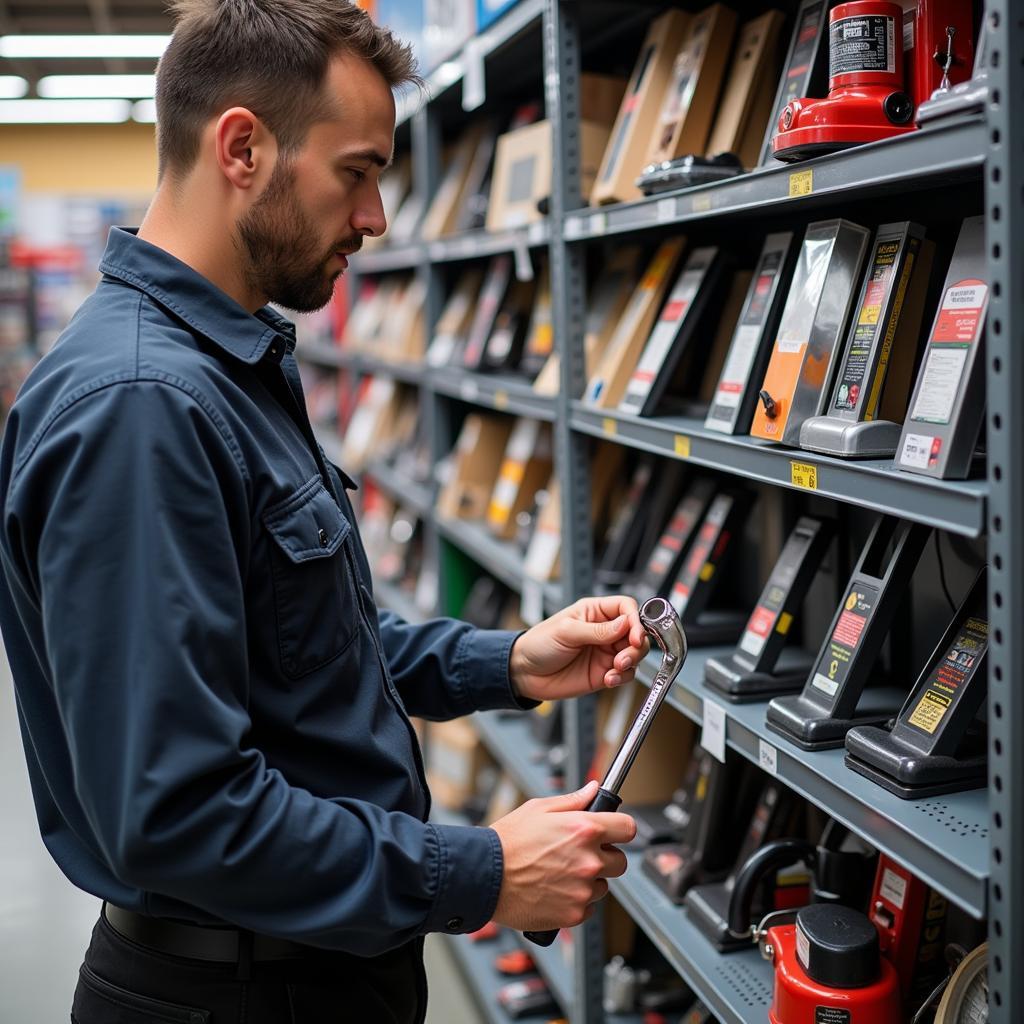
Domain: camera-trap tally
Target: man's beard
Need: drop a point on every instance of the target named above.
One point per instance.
(280, 248)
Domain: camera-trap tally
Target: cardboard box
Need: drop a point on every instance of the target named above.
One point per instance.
(377, 408)
(525, 468)
(626, 152)
(608, 383)
(474, 466)
(492, 296)
(747, 100)
(522, 171)
(600, 99)
(540, 335)
(689, 102)
(608, 299)
(461, 176)
(821, 297)
(458, 764)
(456, 318)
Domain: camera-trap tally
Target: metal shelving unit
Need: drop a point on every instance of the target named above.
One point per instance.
(409, 493)
(955, 505)
(966, 845)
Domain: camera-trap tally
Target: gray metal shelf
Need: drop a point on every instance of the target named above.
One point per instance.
(509, 739)
(398, 486)
(501, 392)
(940, 155)
(944, 840)
(476, 961)
(387, 258)
(737, 987)
(321, 354)
(958, 506)
(500, 558)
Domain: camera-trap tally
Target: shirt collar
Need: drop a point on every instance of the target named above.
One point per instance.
(193, 298)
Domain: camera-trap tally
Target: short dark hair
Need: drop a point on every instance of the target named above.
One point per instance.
(268, 55)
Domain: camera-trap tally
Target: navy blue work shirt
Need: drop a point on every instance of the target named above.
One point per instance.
(215, 716)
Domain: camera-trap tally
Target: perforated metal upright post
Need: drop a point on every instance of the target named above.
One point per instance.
(1004, 209)
(568, 293)
(426, 172)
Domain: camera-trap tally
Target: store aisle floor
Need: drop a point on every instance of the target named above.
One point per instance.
(45, 921)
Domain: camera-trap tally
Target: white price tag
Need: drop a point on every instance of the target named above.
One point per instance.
(531, 608)
(767, 757)
(437, 251)
(666, 210)
(469, 390)
(474, 76)
(598, 222)
(535, 233)
(712, 737)
(524, 265)
(573, 227)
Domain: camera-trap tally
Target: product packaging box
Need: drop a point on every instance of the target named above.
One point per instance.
(474, 466)
(689, 103)
(821, 297)
(459, 767)
(626, 152)
(607, 386)
(464, 174)
(525, 468)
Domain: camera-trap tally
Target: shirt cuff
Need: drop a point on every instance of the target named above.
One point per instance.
(470, 868)
(483, 666)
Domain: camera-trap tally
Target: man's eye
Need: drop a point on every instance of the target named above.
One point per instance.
(357, 174)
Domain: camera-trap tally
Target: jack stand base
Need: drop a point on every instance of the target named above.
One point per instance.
(714, 628)
(727, 677)
(803, 722)
(707, 906)
(873, 439)
(873, 753)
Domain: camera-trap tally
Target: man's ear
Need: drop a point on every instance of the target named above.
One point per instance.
(246, 151)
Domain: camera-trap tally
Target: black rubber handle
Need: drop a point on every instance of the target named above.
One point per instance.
(770, 857)
(604, 801)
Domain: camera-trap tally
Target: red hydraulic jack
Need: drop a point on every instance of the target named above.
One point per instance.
(871, 94)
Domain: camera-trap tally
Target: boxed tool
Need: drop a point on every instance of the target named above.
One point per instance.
(846, 685)
(456, 319)
(492, 295)
(735, 395)
(948, 405)
(539, 344)
(608, 298)
(525, 468)
(464, 173)
(628, 143)
(936, 744)
(472, 470)
(763, 662)
(818, 306)
(872, 386)
(690, 100)
(504, 348)
(607, 386)
(674, 331)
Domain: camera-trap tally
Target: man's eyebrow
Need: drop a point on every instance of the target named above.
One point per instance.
(371, 156)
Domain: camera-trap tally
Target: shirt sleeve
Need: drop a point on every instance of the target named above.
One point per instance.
(444, 668)
(128, 527)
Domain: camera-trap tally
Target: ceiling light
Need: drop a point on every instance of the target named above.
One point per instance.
(64, 111)
(12, 87)
(117, 86)
(83, 46)
(144, 111)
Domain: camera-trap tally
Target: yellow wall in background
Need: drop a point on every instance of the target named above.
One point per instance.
(83, 160)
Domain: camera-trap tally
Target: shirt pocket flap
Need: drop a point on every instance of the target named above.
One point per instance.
(309, 524)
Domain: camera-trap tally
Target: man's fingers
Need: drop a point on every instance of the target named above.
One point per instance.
(614, 861)
(578, 800)
(617, 827)
(600, 891)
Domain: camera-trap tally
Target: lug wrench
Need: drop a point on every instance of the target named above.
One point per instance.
(659, 618)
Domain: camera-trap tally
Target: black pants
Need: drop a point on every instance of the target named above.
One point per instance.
(125, 983)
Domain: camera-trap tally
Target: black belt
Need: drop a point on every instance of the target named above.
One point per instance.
(193, 941)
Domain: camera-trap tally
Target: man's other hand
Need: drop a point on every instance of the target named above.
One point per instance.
(591, 645)
(557, 859)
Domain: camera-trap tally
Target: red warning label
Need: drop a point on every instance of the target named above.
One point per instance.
(960, 314)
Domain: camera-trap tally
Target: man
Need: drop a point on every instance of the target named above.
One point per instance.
(214, 713)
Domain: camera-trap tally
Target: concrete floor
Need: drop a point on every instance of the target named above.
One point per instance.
(45, 922)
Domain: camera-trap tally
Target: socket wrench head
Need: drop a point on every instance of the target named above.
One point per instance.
(659, 618)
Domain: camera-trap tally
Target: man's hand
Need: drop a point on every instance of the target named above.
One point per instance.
(595, 643)
(557, 857)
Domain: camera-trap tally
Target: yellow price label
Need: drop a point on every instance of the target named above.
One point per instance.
(801, 183)
(682, 446)
(609, 426)
(803, 474)
(785, 621)
(500, 399)
(702, 203)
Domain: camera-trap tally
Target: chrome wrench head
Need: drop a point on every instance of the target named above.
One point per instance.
(659, 618)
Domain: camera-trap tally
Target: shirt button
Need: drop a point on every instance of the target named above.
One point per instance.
(454, 924)
(323, 538)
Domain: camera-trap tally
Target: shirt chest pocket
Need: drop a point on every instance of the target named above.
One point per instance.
(315, 601)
